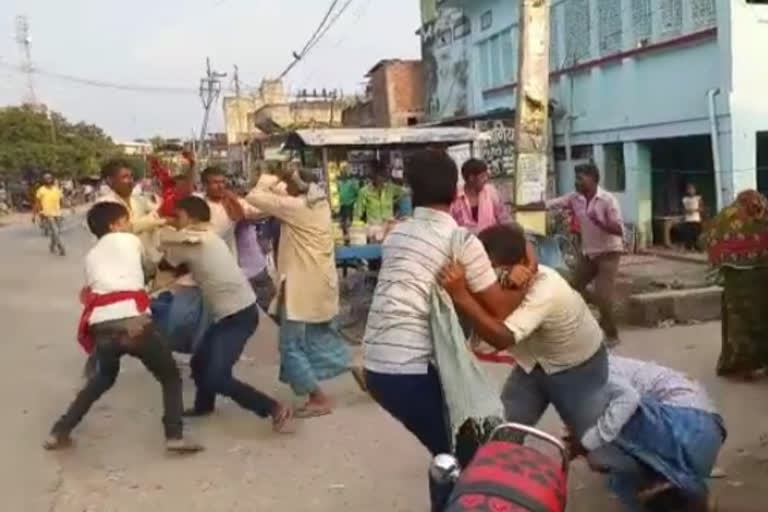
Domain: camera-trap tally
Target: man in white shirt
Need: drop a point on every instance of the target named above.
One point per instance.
(398, 341)
(116, 322)
(227, 209)
(230, 218)
(691, 226)
(554, 338)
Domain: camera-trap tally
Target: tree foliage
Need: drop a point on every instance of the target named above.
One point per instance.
(33, 140)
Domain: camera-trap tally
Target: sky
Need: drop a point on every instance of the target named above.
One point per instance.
(164, 43)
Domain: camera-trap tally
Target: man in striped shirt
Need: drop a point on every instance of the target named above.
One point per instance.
(398, 341)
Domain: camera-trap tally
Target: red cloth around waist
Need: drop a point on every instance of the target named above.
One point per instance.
(495, 357)
(92, 301)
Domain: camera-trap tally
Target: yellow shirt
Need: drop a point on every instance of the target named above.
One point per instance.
(49, 199)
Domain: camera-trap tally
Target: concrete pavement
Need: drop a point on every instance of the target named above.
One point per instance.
(356, 459)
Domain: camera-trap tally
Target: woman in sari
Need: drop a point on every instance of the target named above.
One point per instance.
(737, 243)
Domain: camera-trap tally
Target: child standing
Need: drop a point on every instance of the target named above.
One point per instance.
(233, 305)
(115, 322)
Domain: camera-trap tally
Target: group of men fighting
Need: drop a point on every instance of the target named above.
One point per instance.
(622, 414)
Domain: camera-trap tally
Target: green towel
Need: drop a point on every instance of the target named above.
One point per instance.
(469, 395)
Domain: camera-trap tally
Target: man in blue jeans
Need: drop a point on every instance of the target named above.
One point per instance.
(399, 350)
(549, 330)
(233, 304)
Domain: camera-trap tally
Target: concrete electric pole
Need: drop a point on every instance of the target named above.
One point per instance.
(210, 90)
(532, 112)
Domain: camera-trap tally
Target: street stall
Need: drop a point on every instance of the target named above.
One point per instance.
(357, 153)
(354, 152)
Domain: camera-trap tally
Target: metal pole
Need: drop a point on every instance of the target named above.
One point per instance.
(715, 141)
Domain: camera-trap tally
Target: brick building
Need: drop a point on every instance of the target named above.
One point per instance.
(395, 96)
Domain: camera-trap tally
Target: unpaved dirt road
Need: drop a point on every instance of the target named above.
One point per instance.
(357, 459)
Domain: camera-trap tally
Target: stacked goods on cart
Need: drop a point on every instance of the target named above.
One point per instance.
(338, 233)
(334, 171)
(358, 233)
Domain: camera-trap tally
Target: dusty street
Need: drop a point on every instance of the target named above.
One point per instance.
(356, 459)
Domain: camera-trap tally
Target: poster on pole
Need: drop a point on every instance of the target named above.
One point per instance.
(531, 174)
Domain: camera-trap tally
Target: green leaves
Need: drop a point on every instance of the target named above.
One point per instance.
(31, 138)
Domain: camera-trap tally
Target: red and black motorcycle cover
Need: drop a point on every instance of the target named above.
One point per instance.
(509, 477)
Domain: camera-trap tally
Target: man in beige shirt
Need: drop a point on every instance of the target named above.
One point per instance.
(117, 174)
(553, 336)
(311, 350)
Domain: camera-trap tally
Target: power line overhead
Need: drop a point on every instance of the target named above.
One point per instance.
(100, 83)
(329, 19)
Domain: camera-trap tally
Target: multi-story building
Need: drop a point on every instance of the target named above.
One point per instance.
(135, 147)
(394, 96)
(257, 122)
(659, 93)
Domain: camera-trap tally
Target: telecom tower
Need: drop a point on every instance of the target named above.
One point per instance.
(25, 43)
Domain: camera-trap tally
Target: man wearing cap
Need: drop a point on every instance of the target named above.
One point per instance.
(311, 349)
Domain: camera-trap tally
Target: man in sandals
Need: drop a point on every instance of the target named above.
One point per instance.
(311, 348)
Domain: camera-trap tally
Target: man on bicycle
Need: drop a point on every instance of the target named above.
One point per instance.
(48, 209)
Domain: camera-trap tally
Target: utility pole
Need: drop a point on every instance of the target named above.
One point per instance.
(241, 136)
(25, 46)
(210, 90)
(532, 112)
(236, 79)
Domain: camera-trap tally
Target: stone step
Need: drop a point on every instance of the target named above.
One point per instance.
(681, 306)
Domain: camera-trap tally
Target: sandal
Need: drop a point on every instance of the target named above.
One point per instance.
(312, 411)
(282, 420)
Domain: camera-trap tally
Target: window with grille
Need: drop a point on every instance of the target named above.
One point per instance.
(498, 59)
(703, 13)
(609, 26)
(671, 17)
(614, 172)
(485, 63)
(554, 40)
(509, 56)
(577, 30)
(486, 20)
(495, 49)
(641, 21)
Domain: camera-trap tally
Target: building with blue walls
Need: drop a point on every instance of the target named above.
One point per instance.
(659, 93)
